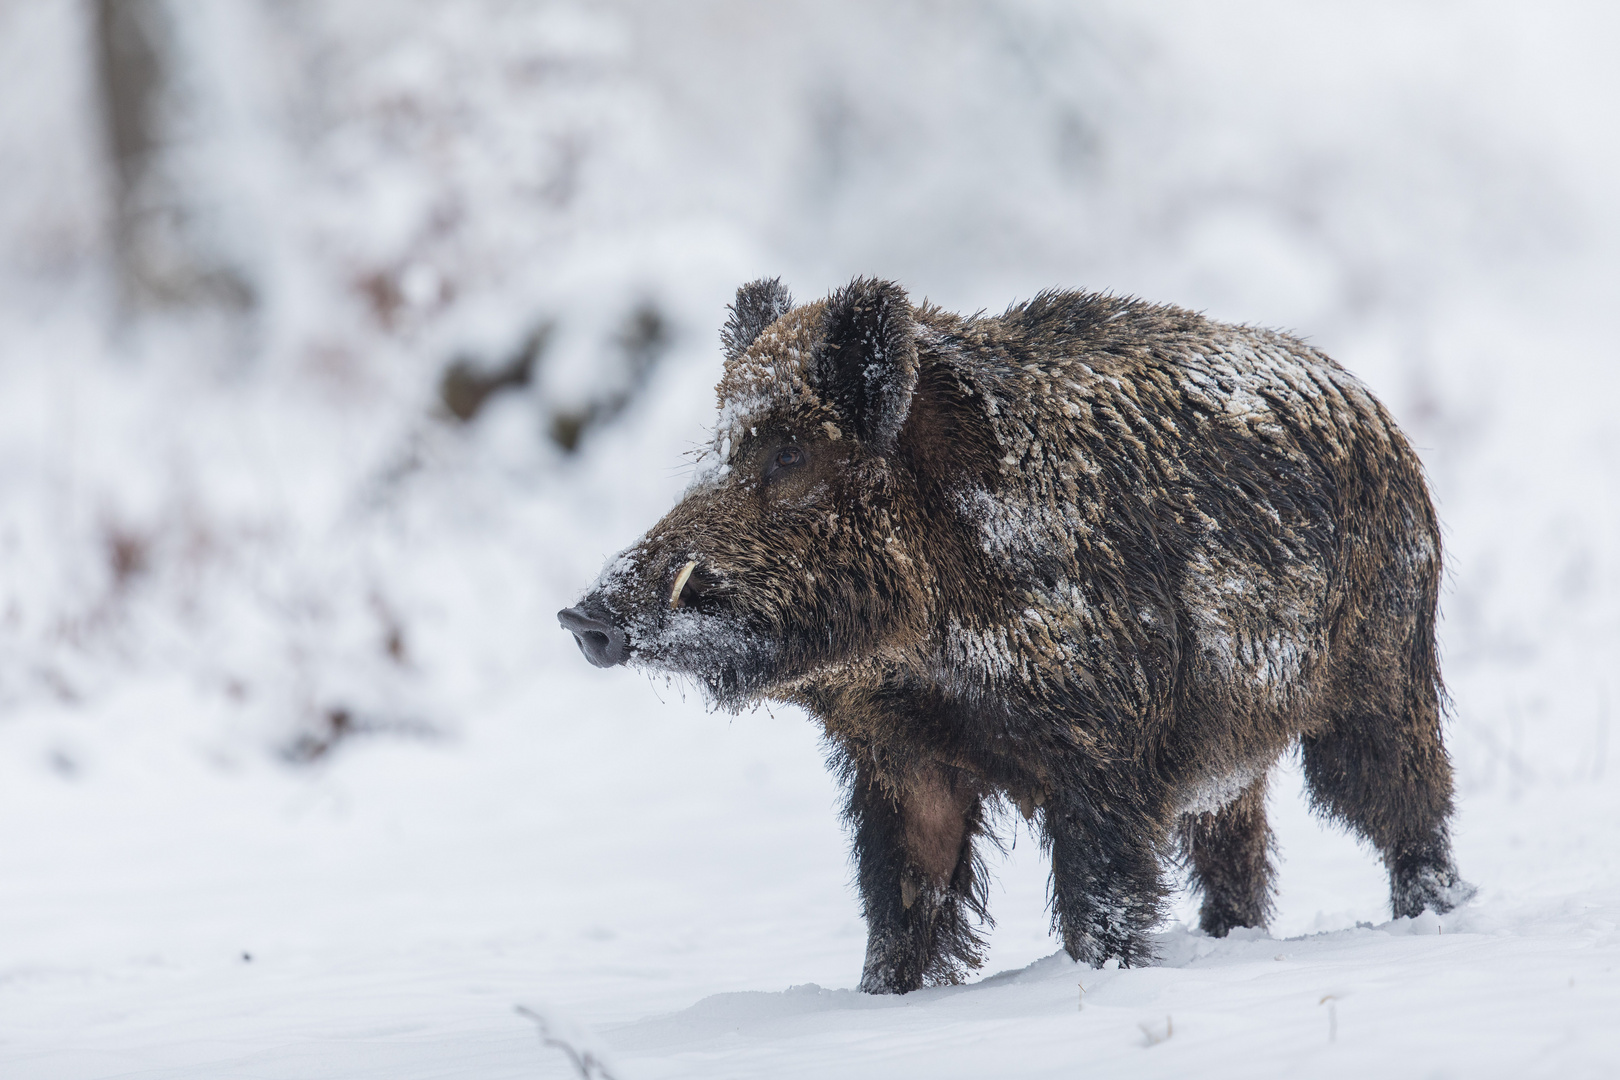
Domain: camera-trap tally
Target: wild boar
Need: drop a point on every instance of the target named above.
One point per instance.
(1097, 559)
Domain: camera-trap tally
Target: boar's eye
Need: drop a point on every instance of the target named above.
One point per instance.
(785, 459)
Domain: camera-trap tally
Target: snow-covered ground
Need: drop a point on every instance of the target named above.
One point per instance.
(675, 883)
(298, 777)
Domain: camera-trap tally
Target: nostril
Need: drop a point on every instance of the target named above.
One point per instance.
(603, 644)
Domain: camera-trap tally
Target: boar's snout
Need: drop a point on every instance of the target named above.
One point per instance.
(602, 643)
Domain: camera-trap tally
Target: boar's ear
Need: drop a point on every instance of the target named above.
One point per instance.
(759, 303)
(865, 361)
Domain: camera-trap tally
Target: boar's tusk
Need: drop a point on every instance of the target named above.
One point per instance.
(680, 583)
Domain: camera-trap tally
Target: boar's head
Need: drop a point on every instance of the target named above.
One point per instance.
(796, 551)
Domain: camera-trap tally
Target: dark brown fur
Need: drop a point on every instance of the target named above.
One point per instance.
(1103, 559)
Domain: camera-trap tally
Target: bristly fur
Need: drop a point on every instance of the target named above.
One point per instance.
(1103, 559)
(865, 359)
(758, 304)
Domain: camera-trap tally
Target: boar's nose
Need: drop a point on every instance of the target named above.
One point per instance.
(602, 643)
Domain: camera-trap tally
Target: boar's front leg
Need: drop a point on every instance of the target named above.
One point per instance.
(922, 889)
(1106, 886)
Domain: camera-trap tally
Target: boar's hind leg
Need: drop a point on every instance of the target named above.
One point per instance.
(1106, 887)
(922, 886)
(1385, 773)
(1229, 853)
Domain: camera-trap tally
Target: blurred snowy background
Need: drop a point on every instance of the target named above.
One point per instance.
(339, 343)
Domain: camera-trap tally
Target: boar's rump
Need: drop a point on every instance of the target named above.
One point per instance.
(1096, 559)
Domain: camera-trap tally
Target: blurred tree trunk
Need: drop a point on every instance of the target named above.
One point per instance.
(169, 249)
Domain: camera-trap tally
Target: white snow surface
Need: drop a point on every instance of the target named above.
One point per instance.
(216, 539)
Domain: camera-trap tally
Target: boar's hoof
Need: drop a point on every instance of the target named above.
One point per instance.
(602, 643)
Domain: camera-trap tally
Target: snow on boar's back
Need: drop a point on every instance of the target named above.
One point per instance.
(1097, 559)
